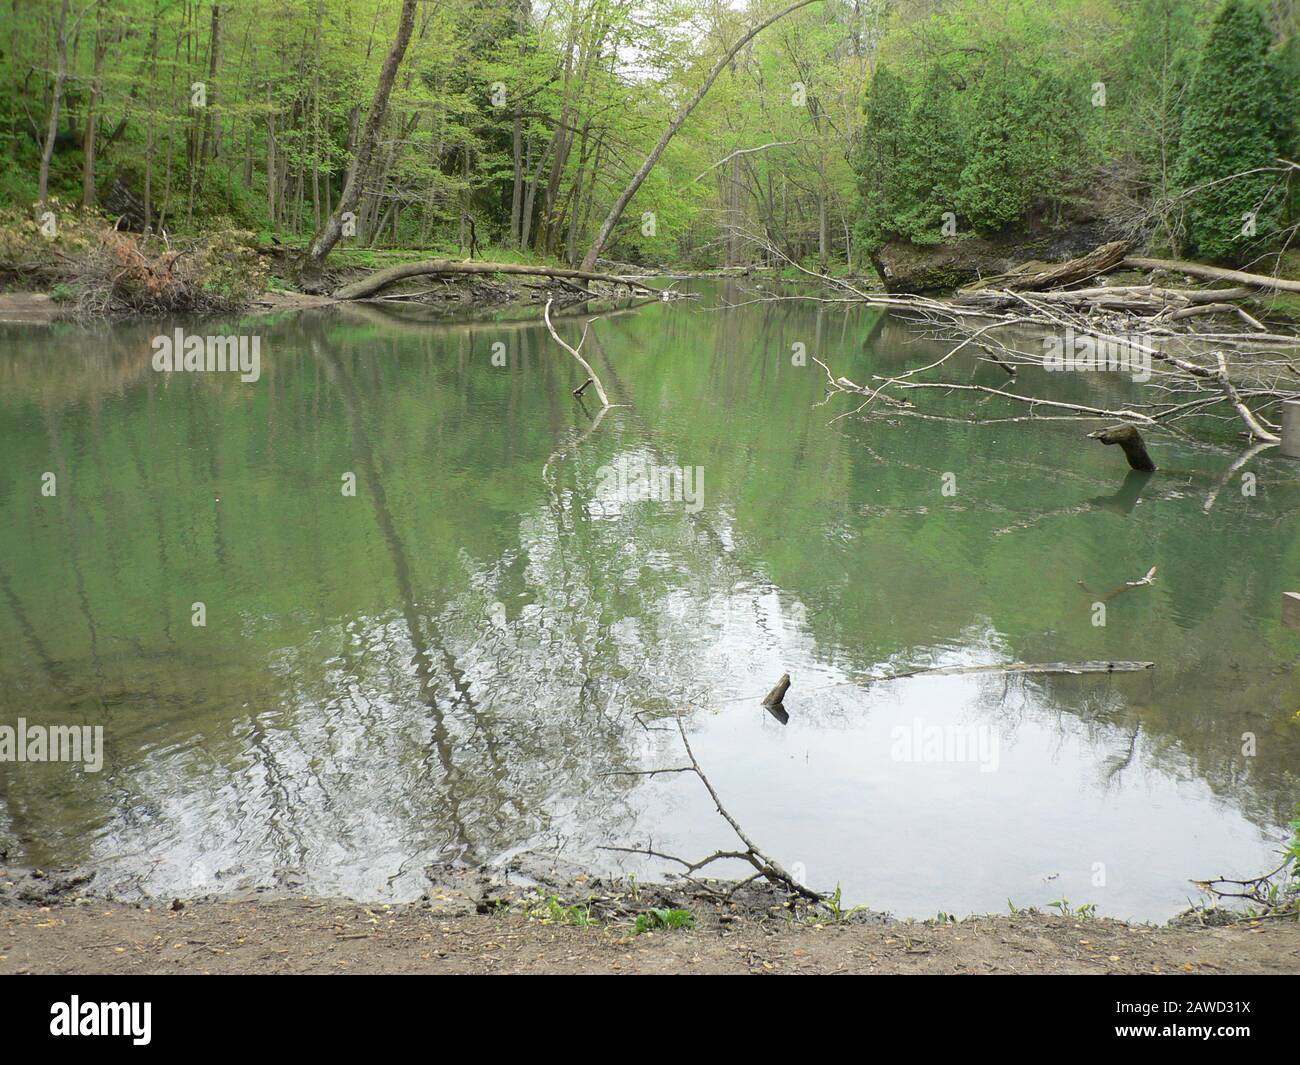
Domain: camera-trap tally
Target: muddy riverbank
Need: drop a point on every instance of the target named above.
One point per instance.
(306, 935)
(469, 923)
(451, 296)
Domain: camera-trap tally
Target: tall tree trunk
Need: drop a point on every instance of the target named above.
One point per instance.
(616, 212)
(559, 148)
(523, 12)
(597, 159)
(328, 235)
(315, 121)
(167, 177)
(149, 133)
(92, 117)
(208, 146)
(270, 157)
(517, 190)
(52, 130)
(823, 230)
(575, 196)
(530, 198)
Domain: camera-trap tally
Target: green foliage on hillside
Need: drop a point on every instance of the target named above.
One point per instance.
(838, 127)
(1164, 103)
(1233, 121)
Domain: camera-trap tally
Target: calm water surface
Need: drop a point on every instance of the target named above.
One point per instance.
(473, 657)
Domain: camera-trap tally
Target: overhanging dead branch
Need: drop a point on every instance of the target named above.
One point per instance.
(753, 855)
(577, 354)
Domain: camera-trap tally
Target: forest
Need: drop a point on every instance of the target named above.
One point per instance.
(516, 127)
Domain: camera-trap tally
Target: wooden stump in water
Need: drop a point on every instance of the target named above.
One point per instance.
(1128, 438)
(1291, 610)
(1291, 428)
(777, 694)
(773, 702)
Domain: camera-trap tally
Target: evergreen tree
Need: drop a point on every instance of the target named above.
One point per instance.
(929, 164)
(1056, 156)
(1284, 67)
(879, 185)
(1231, 127)
(994, 187)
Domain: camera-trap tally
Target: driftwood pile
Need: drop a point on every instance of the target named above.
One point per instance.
(1196, 374)
(1156, 302)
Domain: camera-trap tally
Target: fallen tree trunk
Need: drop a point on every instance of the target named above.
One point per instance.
(1063, 668)
(1099, 260)
(1213, 273)
(381, 279)
(1136, 299)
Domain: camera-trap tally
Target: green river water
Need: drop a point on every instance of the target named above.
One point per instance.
(474, 656)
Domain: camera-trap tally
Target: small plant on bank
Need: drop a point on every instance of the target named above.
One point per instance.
(1086, 911)
(554, 911)
(651, 920)
(834, 902)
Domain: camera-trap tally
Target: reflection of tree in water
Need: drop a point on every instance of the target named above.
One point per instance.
(373, 707)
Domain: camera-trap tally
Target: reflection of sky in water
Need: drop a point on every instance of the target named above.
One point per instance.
(470, 660)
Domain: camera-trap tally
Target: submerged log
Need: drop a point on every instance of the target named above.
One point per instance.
(1050, 668)
(1128, 438)
(778, 711)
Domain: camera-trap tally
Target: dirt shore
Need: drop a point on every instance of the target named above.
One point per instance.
(465, 929)
(454, 296)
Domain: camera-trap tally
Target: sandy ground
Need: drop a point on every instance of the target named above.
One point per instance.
(446, 933)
